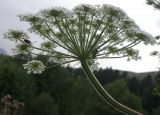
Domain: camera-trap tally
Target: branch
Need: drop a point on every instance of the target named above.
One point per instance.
(75, 48)
(62, 63)
(51, 39)
(90, 28)
(93, 35)
(104, 57)
(116, 34)
(125, 47)
(109, 45)
(53, 55)
(74, 42)
(40, 49)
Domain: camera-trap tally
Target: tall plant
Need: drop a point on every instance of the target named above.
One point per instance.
(85, 34)
(154, 3)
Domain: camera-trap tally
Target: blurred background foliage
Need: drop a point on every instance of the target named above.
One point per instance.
(65, 90)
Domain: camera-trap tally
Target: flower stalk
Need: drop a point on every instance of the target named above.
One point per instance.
(103, 93)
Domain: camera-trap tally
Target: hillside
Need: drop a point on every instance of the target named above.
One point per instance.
(142, 75)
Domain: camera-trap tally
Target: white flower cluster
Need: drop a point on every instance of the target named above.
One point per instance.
(22, 49)
(81, 7)
(34, 66)
(47, 45)
(148, 37)
(15, 35)
(86, 8)
(106, 7)
(68, 13)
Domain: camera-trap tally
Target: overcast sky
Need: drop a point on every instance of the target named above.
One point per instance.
(145, 16)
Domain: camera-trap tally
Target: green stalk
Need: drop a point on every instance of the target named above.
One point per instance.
(103, 93)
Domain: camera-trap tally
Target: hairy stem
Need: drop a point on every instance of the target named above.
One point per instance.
(103, 93)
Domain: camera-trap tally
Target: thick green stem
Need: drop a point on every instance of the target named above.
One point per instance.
(103, 93)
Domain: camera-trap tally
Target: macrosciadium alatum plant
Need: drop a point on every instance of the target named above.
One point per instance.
(85, 34)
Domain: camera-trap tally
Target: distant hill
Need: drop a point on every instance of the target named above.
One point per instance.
(140, 76)
(2, 52)
(143, 75)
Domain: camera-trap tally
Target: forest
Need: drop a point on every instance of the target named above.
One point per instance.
(66, 91)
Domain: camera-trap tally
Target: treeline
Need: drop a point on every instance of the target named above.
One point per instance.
(66, 91)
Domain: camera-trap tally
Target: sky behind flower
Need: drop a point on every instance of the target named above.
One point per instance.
(145, 16)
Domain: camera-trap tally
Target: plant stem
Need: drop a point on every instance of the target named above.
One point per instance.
(103, 93)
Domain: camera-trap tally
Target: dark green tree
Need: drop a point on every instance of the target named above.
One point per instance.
(156, 111)
(14, 81)
(156, 85)
(120, 91)
(42, 105)
(134, 86)
(149, 100)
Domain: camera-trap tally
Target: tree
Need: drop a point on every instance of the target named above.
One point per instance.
(85, 34)
(156, 85)
(156, 111)
(134, 85)
(42, 105)
(80, 97)
(120, 90)
(14, 81)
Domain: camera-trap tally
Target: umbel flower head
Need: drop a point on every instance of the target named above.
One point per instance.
(84, 34)
(22, 48)
(34, 66)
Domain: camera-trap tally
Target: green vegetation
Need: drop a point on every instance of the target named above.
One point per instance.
(65, 90)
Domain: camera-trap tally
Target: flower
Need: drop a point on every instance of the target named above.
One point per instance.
(15, 35)
(22, 48)
(48, 45)
(34, 66)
